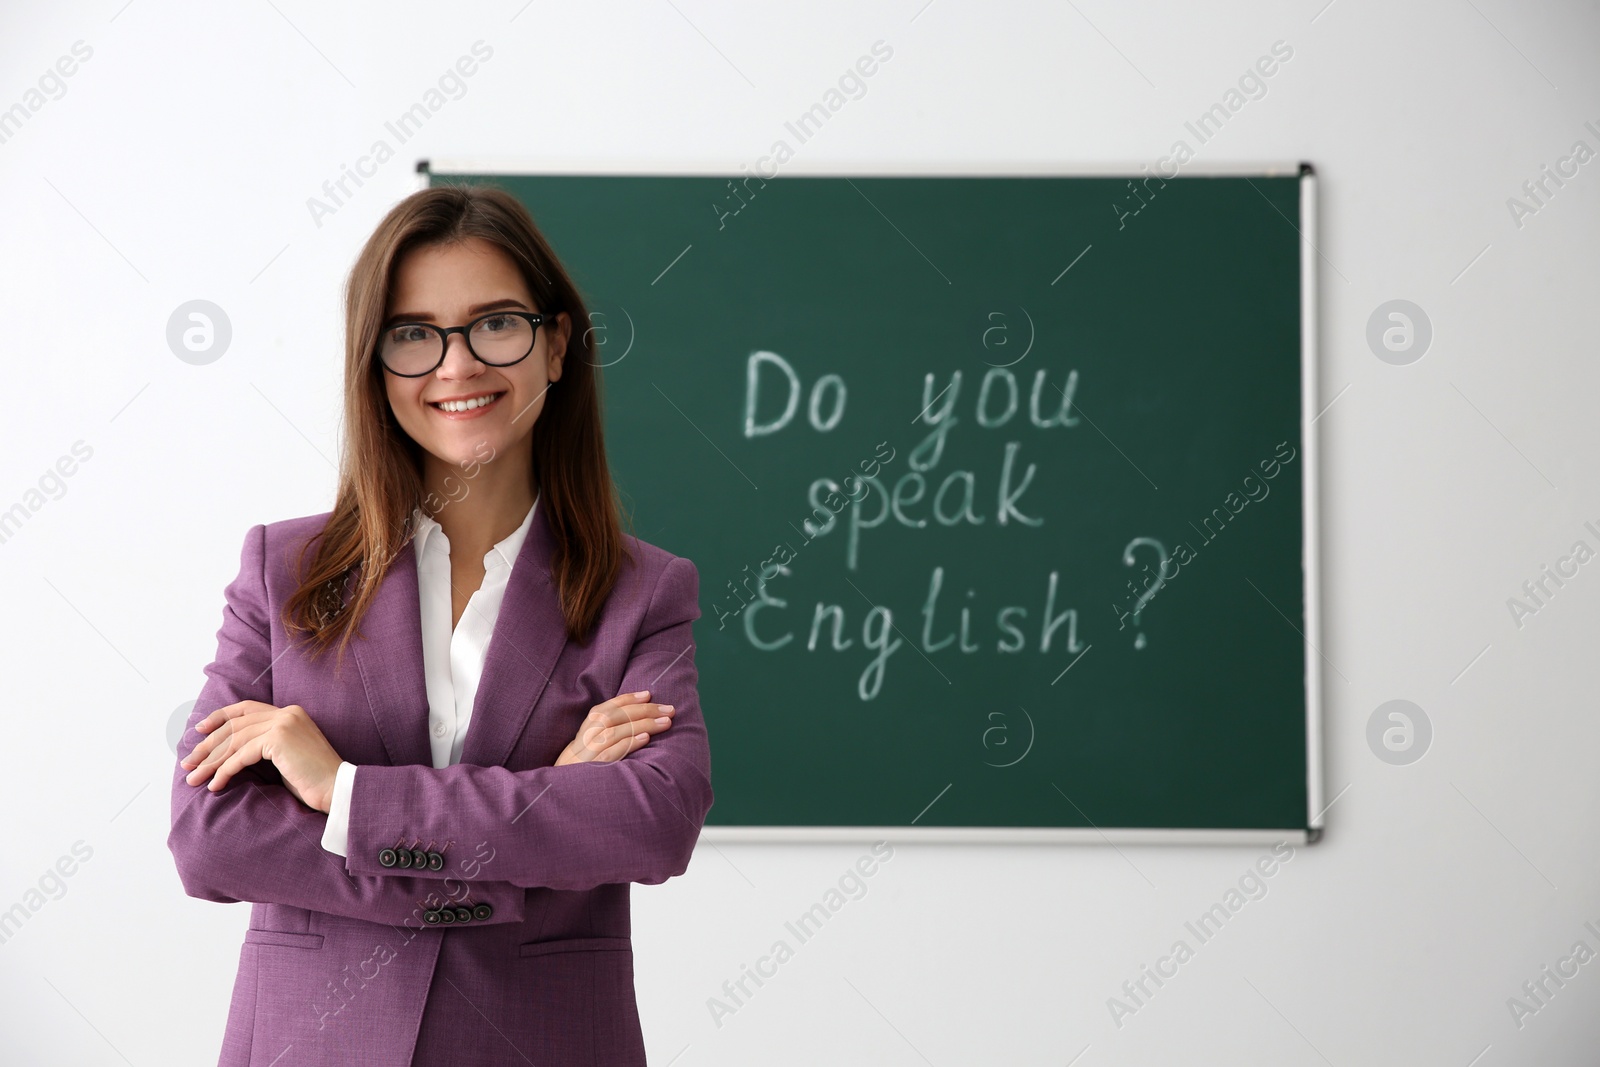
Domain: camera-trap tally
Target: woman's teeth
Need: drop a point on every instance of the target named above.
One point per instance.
(468, 405)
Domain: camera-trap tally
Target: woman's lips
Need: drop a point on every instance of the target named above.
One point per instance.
(469, 414)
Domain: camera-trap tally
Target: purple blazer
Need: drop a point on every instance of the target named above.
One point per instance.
(350, 959)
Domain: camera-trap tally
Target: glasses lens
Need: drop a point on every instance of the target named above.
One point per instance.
(502, 338)
(409, 349)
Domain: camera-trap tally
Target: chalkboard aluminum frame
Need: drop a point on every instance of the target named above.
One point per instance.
(1316, 810)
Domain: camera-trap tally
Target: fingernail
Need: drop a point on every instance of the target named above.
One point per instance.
(641, 694)
(668, 707)
(663, 720)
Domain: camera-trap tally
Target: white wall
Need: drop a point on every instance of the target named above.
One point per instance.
(177, 165)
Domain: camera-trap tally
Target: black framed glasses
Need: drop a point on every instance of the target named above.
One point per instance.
(500, 338)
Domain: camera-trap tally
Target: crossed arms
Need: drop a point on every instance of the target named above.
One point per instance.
(570, 827)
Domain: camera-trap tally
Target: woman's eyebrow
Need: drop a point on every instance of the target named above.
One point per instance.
(476, 309)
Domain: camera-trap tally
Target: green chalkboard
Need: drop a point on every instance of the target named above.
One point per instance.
(930, 441)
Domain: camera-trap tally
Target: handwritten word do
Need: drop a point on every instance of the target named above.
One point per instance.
(820, 395)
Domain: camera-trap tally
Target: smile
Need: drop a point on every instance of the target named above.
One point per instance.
(467, 407)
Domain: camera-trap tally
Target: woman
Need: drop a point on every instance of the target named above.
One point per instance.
(424, 892)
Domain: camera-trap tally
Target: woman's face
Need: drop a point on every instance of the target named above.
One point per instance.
(450, 285)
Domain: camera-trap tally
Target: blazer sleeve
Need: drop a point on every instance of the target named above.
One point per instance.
(581, 825)
(253, 840)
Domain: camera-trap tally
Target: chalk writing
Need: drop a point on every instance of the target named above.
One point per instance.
(926, 498)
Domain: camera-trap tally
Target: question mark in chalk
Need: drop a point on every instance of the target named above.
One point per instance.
(1152, 588)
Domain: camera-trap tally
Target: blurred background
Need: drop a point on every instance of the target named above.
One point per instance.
(159, 158)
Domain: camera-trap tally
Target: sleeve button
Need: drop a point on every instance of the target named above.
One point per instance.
(402, 857)
(387, 858)
(435, 861)
(481, 912)
(463, 914)
(431, 917)
(419, 859)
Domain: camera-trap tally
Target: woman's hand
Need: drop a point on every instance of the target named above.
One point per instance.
(621, 725)
(243, 733)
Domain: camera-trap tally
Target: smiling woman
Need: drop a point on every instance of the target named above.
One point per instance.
(499, 766)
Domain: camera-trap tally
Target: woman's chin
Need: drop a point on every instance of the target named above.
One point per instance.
(463, 449)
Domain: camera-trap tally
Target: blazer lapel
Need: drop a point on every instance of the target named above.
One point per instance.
(389, 654)
(529, 634)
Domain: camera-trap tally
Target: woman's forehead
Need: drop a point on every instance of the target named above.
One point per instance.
(455, 277)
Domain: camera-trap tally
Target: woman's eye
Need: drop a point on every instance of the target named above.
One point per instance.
(494, 323)
(403, 334)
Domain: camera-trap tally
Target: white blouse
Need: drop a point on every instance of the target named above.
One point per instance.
(452, 660)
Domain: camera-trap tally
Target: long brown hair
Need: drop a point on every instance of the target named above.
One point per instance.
(380, 479)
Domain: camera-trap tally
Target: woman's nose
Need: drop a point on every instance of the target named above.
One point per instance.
(459, 362)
